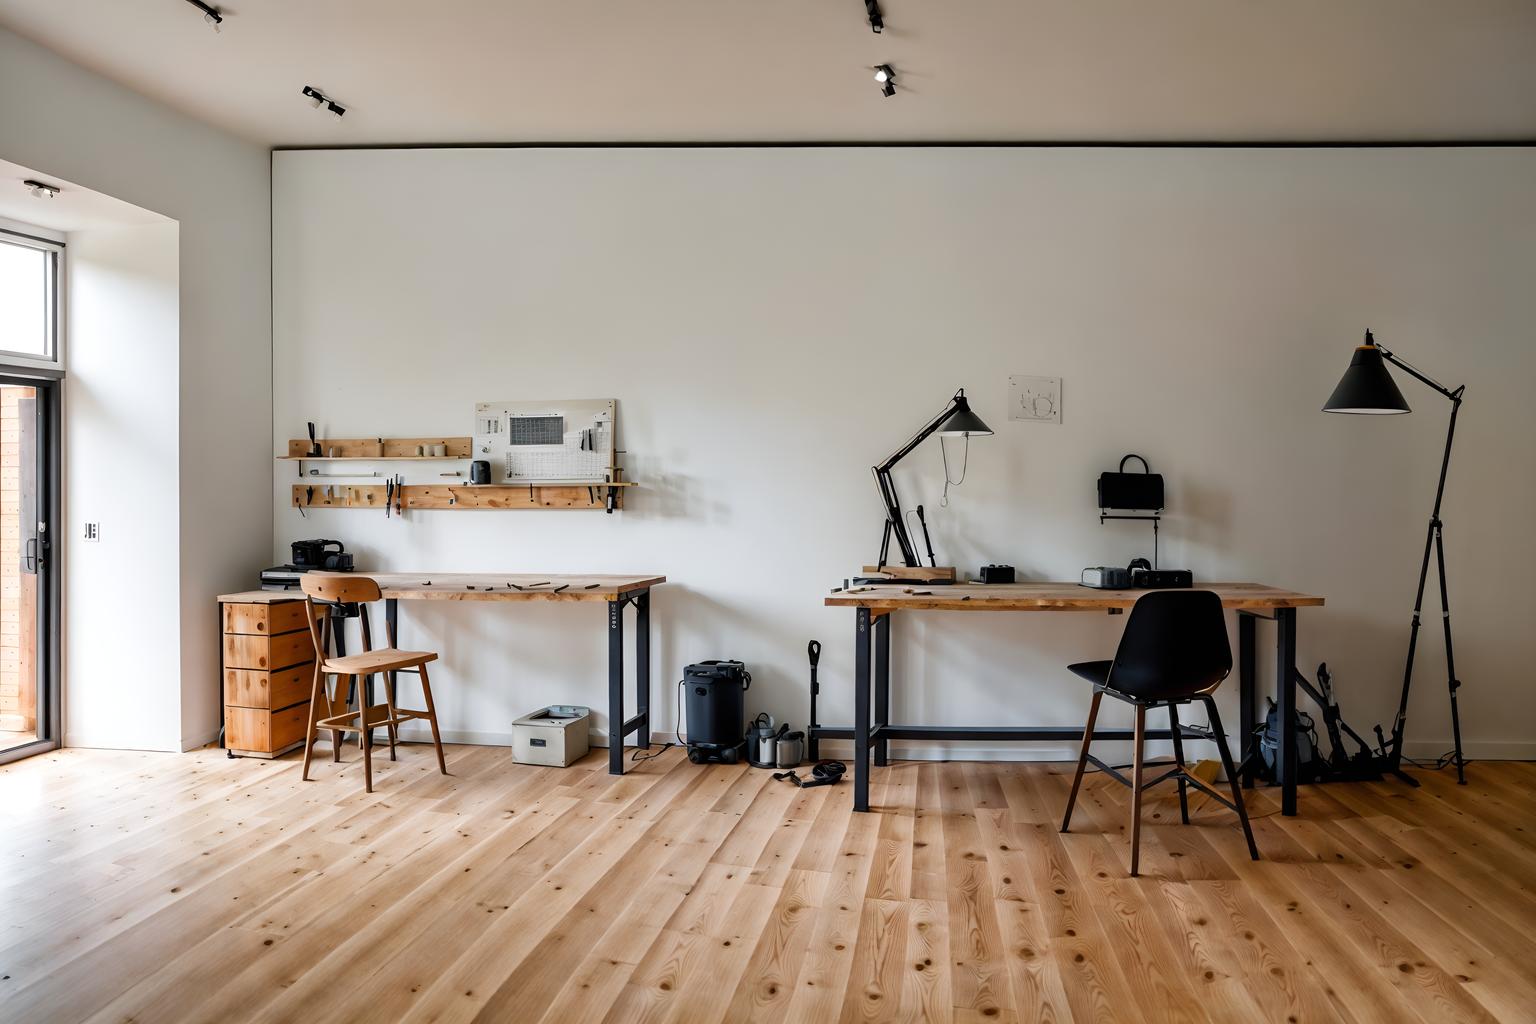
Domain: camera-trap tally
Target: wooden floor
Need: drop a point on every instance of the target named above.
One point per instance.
(161, 888)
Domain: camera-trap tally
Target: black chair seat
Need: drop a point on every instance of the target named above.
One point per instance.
(1096, 672)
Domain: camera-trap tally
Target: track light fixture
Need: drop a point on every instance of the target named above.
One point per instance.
(886, 76)
(41, 189)
(876, 22)
(212, 15)
(318, 99)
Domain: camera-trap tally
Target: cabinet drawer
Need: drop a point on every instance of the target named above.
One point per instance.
(250, 688)
(265, 619)
(268, 653)
(265, 732)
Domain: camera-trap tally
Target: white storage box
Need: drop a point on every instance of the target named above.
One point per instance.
(555, 736)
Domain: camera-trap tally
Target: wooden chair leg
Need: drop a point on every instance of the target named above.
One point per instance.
(1232, 780)
(1082, 758)
(1178, 758)
(316, 688)
(364, 735)
(336, 733)
(437, 739)
(389, 704)
(1136, 773)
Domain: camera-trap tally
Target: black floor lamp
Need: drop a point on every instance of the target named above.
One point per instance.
(1367, 387)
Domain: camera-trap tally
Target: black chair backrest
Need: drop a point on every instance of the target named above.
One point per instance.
(1174, 646)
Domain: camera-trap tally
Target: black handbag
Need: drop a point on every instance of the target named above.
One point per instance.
(1139, 492)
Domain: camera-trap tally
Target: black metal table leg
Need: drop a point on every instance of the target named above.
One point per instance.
(643, 668)
(882, 686)
(616, 687)
(1285, 687)
(1247, 694)
(861, 710)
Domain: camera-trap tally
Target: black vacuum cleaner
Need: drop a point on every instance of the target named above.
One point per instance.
(716, 710)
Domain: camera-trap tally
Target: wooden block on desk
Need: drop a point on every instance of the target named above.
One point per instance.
(265, 619)
(911, 572)
(268, 653)
(250, 688)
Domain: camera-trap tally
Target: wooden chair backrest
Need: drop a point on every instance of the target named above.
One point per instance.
(338, 589)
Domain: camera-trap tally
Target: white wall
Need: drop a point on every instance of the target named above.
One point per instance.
(120, 468)
(75, 125)
(773, 321)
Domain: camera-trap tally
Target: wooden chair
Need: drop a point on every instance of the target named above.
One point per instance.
(1174, 651)
(345, 591)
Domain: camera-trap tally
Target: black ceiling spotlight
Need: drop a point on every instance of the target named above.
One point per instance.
(41, 189)
(318, 99)
(886, 76)
(876, 22)
(212, 15)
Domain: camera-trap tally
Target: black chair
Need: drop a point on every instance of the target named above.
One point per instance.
(1174, 651)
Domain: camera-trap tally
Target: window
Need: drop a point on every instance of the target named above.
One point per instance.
(29, 298)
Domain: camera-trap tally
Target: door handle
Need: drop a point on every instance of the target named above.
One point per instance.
(32, 561)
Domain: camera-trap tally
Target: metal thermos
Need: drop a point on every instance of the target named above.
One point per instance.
(789, 749)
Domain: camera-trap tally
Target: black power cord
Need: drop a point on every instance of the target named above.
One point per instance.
(641, 755)
(826, 773)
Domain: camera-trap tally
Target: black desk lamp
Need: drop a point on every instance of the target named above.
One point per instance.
(1368, 387)
(956, 420)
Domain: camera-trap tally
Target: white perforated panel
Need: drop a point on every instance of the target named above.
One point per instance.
(533, 442)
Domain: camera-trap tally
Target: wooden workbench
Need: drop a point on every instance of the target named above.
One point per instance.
(613, 591)
(874, 605)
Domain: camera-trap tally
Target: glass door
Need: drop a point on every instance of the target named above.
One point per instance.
(29, 705)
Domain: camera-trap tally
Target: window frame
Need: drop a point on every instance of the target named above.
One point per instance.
(30, 236)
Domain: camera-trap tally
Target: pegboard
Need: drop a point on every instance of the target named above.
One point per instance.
(569, 440)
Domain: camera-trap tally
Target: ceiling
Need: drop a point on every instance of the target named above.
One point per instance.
(450, 71)
(73, 209)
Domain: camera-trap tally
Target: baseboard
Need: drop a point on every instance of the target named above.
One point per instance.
(1492, 750)
(212, 736)
(1473, 750)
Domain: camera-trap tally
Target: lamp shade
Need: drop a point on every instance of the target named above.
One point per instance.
(1367, 386)
(962, 422)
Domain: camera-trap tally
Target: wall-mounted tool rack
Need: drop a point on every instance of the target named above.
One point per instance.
(316, 491)
(548, 496)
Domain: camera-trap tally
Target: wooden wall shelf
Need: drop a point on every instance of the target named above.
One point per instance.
(390, 448)
(548, 497)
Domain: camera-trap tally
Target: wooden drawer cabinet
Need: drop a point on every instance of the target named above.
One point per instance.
(264, 619)
(268, 653)
(268, 669)
(247, 688)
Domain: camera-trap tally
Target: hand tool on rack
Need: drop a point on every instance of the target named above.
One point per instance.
(399, 494)
(922, 521)
(314, 444)
(389, 496)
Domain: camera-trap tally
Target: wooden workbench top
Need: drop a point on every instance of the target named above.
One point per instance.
(1021, 597)
(479, 586)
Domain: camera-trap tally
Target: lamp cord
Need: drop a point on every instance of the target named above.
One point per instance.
(964, 462)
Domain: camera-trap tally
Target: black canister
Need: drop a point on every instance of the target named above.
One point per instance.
(715, 704)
